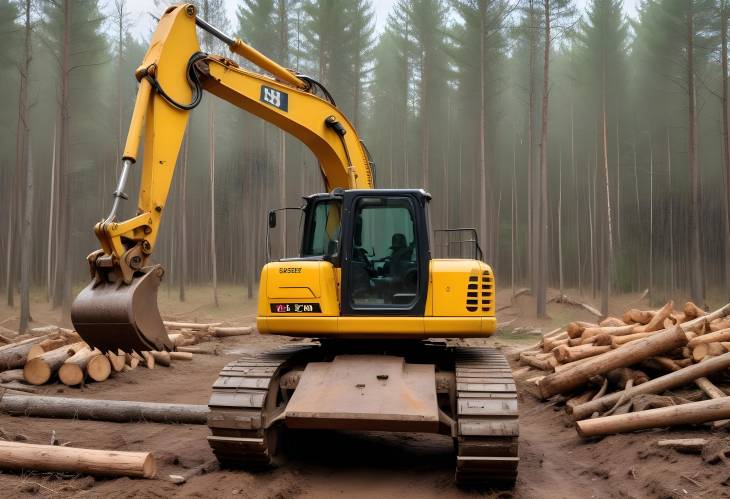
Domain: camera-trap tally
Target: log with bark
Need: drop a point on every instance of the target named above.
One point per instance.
(14, 355)
(161, 358)
(191, 325)
(117, 360)
(691, 413)
(565, 354)
(85, 362)
(118, 411)
(717, 336)
(223, 332)
(657, 321)
(687, 445)
(20, 456)
(691, 310)
(213, 350)
(636, 316)
(39, 370)
(657, 385)
(628, 355)
(181, 356)
(12, 375)
(148, 359)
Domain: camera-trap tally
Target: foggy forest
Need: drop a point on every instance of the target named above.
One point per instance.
(588, 147)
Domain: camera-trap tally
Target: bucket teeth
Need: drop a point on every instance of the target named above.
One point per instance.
(118, 316)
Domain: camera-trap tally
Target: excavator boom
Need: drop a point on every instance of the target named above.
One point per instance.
(118, 309)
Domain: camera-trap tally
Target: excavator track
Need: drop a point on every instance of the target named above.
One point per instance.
(245, 399)
(487, 418)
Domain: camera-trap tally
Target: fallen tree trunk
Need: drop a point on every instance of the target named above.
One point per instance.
(118, 411)
(565, 354)
(657, 385)
(18, 387)
(628, 355)
(191, 325)
(717, 336)
(26, 457)
(199, 350)
(14, 355)
(181, 356)
(691, 413)
(39, 370)
(690, 445)
(12, 375)
(222, 332)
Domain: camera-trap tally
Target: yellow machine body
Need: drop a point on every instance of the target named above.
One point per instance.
(459, 303)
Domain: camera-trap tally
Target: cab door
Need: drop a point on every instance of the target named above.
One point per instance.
(385, 254)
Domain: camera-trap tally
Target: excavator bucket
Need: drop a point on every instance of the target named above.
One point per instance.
(112, 316)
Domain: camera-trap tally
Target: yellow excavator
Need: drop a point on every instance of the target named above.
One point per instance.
(382, 311)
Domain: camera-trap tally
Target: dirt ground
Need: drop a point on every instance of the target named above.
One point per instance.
(554, 462)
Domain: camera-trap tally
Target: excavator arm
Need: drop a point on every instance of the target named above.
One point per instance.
(173, 76)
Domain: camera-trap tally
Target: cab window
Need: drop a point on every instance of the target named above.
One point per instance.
(384, 269)
(323, 232)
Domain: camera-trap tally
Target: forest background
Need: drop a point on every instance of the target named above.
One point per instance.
(588, 147)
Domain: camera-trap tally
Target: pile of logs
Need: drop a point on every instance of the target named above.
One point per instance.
(184, 335)
(51, 353)
(616, 375)
(61, 354)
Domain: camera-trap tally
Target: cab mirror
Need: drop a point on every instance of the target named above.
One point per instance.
(272, 219)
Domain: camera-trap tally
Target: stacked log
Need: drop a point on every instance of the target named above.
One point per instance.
(187, 334)
(59, 354)
(611, 374)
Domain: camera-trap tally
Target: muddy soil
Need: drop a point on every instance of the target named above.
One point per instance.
(554, 462)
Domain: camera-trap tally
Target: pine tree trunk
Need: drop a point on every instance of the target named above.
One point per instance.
(560, 224)
(26, 246)
(531, 176)
(651, 218)
(183, 278)
(543, 212)
(724, 15)
(51, 221)
(483, 229)
(211, 166)
(607, 234)
(696, 276)
(62, 295)
(670, 242)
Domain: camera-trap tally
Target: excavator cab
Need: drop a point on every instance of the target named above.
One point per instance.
(379, 242)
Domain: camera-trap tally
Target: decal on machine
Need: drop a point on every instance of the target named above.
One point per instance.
(296, 308)
(274, 97)
(290, 270)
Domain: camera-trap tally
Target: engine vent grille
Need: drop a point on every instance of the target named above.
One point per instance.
(487, 291)
(472, 293)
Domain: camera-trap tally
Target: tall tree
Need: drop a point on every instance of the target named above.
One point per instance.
(554, 11)
(72, 30)
(603, 39)
(24, 163)
(724, 18)
(480, 43)
(8, 14)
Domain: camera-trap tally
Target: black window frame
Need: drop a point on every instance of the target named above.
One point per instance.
(417, 202)
(309, 216)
